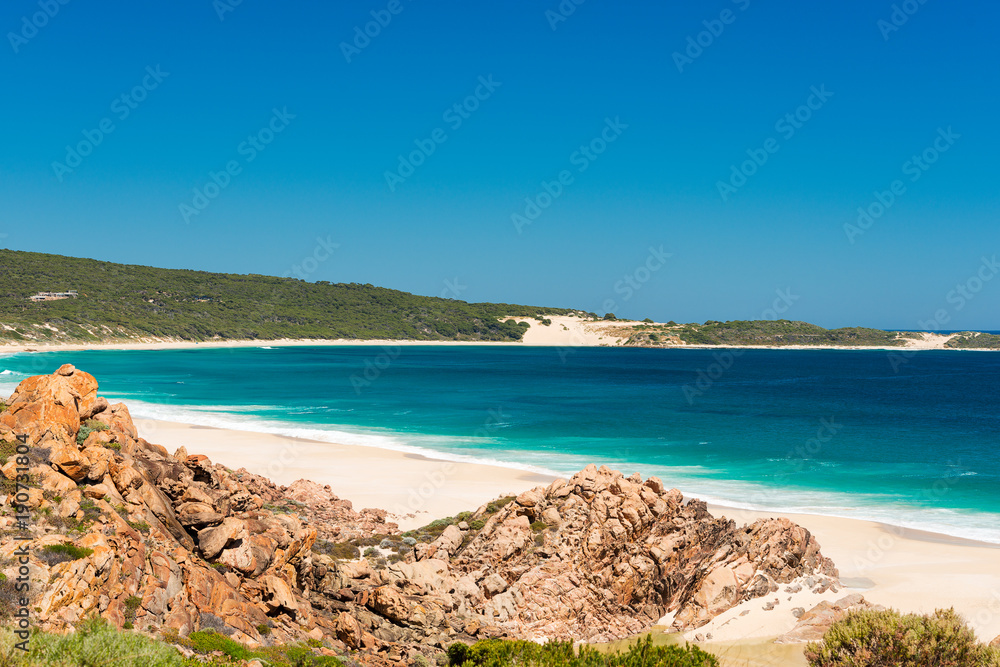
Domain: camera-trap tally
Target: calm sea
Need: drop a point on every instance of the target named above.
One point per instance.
(908, 440)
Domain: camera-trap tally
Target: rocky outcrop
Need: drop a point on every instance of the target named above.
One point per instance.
(178, 542)
(182, 538)
(602, 556)
(813, 624)
(48, 408)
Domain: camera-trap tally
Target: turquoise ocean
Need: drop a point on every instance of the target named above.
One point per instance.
(908, 440)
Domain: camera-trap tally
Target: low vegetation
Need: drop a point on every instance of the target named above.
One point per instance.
(759, 332)
(88, 427)
(95, 643)
(974, 339)
(210, 642)
(508, 653)
(889, 639)
(119, 302)
(54, 554)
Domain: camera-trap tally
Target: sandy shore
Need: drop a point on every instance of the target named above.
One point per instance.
(414, 488)
(905, 569)
(908, 570)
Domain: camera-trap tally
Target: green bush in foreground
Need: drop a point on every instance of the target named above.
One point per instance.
(889, 639)
(507, 653)
(94, 643)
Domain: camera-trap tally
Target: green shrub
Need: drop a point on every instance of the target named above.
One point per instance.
(508, 653)
(7, 450)
(889, 639)
(264, 629)
(371, 552)
(131, 607)
(54, 554)
(340, 551)
(88, 427)
(9, 596)
(538, 526)
(207, 641)
(140, 526)
(495, 506)
(94, 643)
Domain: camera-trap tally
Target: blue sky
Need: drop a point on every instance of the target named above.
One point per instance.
(646, 142)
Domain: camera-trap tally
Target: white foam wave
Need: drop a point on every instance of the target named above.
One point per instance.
(694, 481)
(980, 526)
(205, 416)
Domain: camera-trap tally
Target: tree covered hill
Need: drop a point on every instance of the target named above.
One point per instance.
(125, 302)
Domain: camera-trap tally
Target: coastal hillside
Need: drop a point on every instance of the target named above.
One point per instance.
(52, 299)
(55, 299)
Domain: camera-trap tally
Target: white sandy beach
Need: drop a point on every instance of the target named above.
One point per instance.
(906, 569)
(564, 331)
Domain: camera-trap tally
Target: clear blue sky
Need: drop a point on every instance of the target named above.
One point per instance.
(895, 92)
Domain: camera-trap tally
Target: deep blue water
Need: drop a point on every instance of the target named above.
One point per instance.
(847, 433)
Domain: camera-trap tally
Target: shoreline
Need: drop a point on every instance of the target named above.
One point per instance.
(560, 331)
(186, 345)
(903, 568)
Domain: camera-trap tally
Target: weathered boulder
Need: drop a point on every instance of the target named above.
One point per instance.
(813, 624)
(69, 461)
(348, 630)
(211, 541)
(47, 408)
(718, 591)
